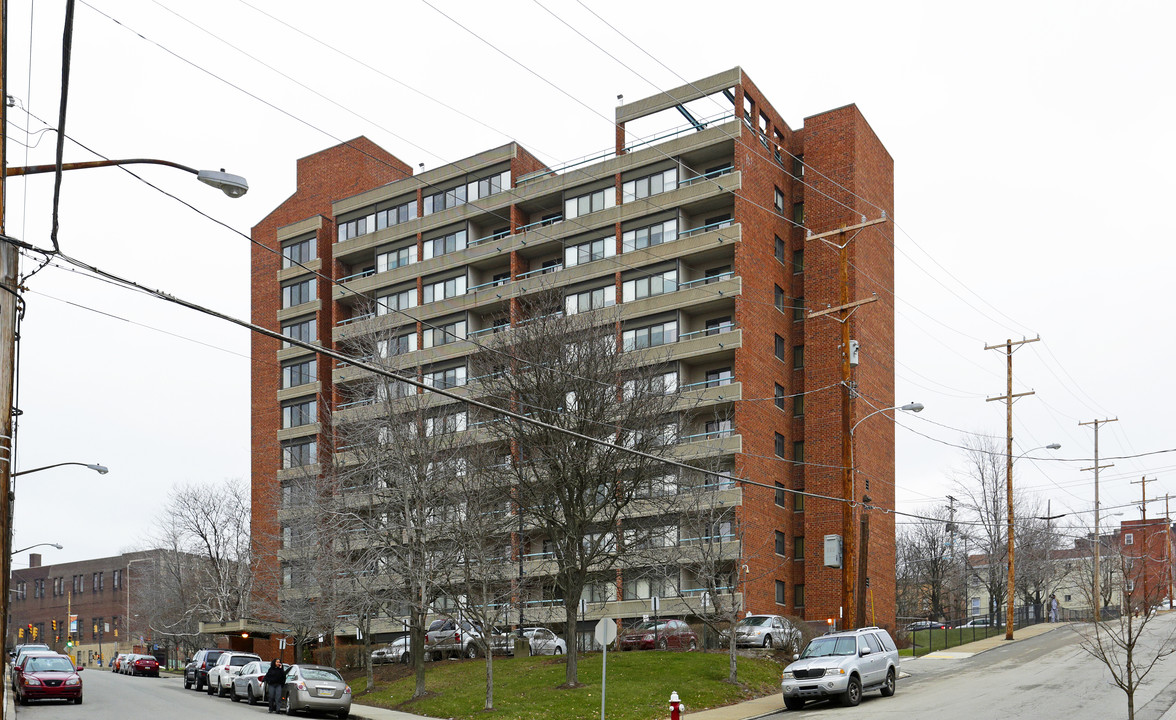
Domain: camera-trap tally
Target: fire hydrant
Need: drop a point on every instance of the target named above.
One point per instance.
(676, 706)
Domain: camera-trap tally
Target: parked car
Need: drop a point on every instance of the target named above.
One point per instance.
(222, 672)
(980, 622)
(116, 663)
(447, 636)
(49, 676)
(128, 662)
(842, 665)
(196, 671)
(143, 665)
(925, 625)
(18, 655)
(22, 658)
(765, 631)
(394, 652)
(662, 634)
(316, 687)
(545, 642)
(249, 682)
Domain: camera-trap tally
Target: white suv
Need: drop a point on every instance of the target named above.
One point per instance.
(227, 667)
(842, 665)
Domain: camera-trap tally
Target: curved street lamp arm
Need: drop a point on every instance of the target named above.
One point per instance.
(100, 469)
(36, 169)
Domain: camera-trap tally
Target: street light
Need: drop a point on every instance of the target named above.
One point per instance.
(232, 185)
(100, 469)
(853, 559)
(1012, 578)
(30, 547)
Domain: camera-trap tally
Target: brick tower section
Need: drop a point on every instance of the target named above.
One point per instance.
(347, 169)
(849, 177)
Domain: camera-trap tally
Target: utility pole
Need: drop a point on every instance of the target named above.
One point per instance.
(1097, 536)
(1008, 398)
(852, 606)
(1143, 555)
(1168, 548)
(951, 501)
(9, 311)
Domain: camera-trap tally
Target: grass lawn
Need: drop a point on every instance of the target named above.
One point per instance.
(932, 640)
(639, 686)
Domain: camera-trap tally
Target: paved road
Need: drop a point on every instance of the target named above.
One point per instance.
(121, 697)
(1048, 676)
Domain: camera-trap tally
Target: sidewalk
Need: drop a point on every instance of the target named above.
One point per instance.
(960, 652)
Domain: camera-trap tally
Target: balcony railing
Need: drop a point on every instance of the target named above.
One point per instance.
(706, 280)
(540, 271)
(540, 223)
(707, 176)
(705, 228)
(716, 330)
(704, 122)
(358, 275)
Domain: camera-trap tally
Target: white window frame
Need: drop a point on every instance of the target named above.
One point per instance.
(597, 200)
(572, 253)
(650, 185)
(450, 287)
(397, 258)
(644, 287)
(668, 229)
(586, 301)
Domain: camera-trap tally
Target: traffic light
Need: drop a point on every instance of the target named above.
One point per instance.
(69, 643)
(34, 631)
(20, 633)
(54, 626)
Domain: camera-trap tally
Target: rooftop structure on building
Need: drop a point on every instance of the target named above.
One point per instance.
(699, 233)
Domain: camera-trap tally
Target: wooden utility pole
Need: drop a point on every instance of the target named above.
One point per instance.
(1143, 554)
(9, 309)
(1168, 548)
(850, 603)
(1097, 537)
(1008, 398)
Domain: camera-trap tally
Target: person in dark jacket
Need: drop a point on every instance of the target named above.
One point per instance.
(275, 680)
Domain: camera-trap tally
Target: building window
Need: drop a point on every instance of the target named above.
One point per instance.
(798, 167)
(445, 424)
(781, 250)
(650, 185)
(445, 289)
(798, 595)
(716, 274)
(798, 309)
(719, 377)
(719, 428)
(657, 234)
(297, 293)
(445, 379)
(797, 357)
(798, 405)
(798, 451)
(781, 495)
(590, 203)
(798, 547)
(781, 397)
(488, 186)
(299, 453)
(781, 446)
(779, 201)
(302, 330)
(95, 582)
(298, 253)
(393, 302)
(444, 200)
(781, 593)
(591, 300)
(659, 284)
(719, 325)
(590, 251)
(117, 579)
(797, 502)
(400, 345)
(300, 373)
(445, 334)
(781, 544)
(652, 336)
(781, 303)
(394, 216)
(1128, 538)
(797, 261)
(355, 228)
(660, 384)
(393, 259)
(781, 349)
(1130, 585)
(445, 244)
(797, 213)
(297, 414)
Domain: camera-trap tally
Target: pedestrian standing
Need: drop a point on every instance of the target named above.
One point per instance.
(1053, 608)
(275, 680)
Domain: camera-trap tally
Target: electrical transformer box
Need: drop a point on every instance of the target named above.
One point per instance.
(833, 551)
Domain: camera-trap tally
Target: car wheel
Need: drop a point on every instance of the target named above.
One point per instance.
(693, 644)
(221, 691)
(233, 693)
(343, 714)
(289, 707)
(78, 701)
(23, 700)
(199, 685)
(471, 651)
(767, 642)
(794, 703)
(250, 696)
(662, 644)
(187, 683)
(889, 687)
(558, 650)
(853, 692)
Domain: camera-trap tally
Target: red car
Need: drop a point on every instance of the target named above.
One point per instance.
(663, 635)
(145, 665)
(49, 677)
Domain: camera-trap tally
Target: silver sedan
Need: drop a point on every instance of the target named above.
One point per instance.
(316, 687)
(249, 682)
(545, 642)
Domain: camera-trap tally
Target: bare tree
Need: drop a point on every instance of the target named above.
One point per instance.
(572, 372)
(981, 485)
(1124, 644)
(926, 568)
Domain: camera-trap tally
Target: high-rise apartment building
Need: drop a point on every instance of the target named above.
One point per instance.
(701, 233)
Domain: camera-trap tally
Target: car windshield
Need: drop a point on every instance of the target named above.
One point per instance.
(321, 674)
(50, 664)
(651, 626)
(755, 621)
(238, 661)
(823, 647)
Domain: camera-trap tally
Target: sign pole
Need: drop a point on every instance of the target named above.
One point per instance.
(606, 632)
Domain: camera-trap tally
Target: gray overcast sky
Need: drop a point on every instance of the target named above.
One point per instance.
(1033, 149)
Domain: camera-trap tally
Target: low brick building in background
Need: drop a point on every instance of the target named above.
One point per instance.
(731, 201)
